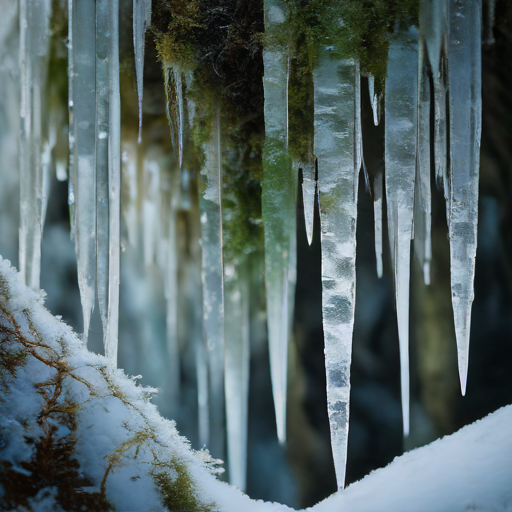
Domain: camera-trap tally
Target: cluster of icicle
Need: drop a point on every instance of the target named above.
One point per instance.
(449, 38)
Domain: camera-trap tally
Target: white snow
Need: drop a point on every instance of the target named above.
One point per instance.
(469, 470)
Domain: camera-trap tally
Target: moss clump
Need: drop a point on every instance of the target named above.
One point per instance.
(175, 23)
(178, 494)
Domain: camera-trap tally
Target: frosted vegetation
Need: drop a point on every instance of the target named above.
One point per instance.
(258, 100)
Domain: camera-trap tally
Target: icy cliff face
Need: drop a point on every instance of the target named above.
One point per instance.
(188, 189)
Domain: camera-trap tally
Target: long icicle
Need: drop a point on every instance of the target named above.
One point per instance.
(84, 165)
(34, 45)
(465, 83)
(422, 201)
(401, 100)
(278, 210)
(114, 185)
(336, 148)
(141, 21)
(213, 282)
(102, 160)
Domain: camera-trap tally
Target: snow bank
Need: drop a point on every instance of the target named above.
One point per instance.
(78, 434)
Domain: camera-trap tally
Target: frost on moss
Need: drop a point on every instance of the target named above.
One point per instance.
(77, 434)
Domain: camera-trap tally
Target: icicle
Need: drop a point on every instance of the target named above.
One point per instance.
(141, 20)
(114, 185)
(422, 202)
(375, 100)
(71, 128)
(401, 98)
(34, 46)
(465, 82)
(175, 109)
(278, 209)
(213, 283)
(309, 195)
(84, 160)
(377, 213)
(102, 161)
(336, 147)
(237, 370)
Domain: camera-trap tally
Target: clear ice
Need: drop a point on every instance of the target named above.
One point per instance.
(401, 100)
(210, 206)
(465, 99)
(278, 210)
(83, 55)
(336, 148)
(34, 46)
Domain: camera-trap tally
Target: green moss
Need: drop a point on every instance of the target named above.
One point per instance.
(179, 493)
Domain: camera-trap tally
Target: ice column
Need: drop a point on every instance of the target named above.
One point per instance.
(401, 100)
(213, 282)
(34, 46)
(422, 202)
(237, 369)
(278, 210)
(336, 148)
(83, 55)
(108, 167)
(141, 20)
(465, 83)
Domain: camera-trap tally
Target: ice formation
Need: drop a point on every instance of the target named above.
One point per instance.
(34, 46)
(401, 99)
(159, 189)
(210, 206)
(336, 147)
(278, 209)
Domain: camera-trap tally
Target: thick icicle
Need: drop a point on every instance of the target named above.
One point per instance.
(114, 185)
(422, 202)
(237, 370)
(102, 134)
(336, 148)
(141, 20)
(175, 108)
(84, 165)
(213, 282)
(278, 210)
(34, 46)
(378, 185)
(465, 82)
(401, 98)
